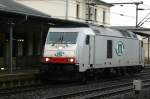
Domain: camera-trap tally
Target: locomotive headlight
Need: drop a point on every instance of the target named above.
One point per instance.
(2, 68)
(47, 59)
(71, 60)
(60, 47)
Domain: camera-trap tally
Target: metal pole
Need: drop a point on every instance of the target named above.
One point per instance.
(137, 4)
(148, 48)
(67, 6)
(11, 47)
(41, 37)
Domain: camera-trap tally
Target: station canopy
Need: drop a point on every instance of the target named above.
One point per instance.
(23, 16)
(19, 22)
(11, 7)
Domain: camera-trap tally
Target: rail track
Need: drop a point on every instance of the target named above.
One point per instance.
(77, 90)
(103, 90)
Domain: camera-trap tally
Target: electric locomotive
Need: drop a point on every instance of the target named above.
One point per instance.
(91, 51)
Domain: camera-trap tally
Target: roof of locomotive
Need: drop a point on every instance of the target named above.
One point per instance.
(101, 30)
(98, 30)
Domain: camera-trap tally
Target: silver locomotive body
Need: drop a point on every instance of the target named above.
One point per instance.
(83, 49)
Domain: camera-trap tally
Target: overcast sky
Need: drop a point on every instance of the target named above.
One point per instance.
(125, 15)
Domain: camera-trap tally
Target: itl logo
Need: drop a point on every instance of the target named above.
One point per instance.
(120, 48)
(60, 53)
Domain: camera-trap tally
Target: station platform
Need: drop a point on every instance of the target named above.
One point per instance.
(18, 72)
(18, 75)
(146, 65)
(19, 78)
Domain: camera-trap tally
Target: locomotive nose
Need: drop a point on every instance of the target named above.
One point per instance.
(59, 60)
(60, 54)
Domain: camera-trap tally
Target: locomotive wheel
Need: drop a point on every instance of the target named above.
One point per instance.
(107, 72)
(130, 70)
(123, 71)
(140, 68)
(83, 77)
(96, 75)
(118, 72)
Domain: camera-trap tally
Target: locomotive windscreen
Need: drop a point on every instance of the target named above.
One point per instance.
(61, 38)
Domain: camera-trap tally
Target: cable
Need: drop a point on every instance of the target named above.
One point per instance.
(123, 15)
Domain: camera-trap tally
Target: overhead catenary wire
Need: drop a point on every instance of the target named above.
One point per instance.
(145, 19)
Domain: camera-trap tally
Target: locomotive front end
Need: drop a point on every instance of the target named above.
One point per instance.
(60, 51)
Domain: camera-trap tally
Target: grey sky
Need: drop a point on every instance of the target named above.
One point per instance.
(125, 15)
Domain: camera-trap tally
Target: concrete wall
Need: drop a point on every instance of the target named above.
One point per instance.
(145, 45)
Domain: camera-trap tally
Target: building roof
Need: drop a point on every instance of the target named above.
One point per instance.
(13, 7)
(99, 2)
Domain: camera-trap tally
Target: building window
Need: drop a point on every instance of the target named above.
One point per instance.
(95, 13)
(104, 16)
(109, 48)
(77, 12)
(89, 14)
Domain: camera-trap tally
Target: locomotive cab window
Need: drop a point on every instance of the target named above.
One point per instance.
(109, 48)
(61, 38)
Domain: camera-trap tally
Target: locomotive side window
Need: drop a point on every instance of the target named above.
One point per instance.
(109, 48)
(141, 43)
(87, 41)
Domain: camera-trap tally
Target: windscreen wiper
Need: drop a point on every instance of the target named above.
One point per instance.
(59, 40)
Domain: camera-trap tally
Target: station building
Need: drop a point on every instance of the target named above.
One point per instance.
(91, 11)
